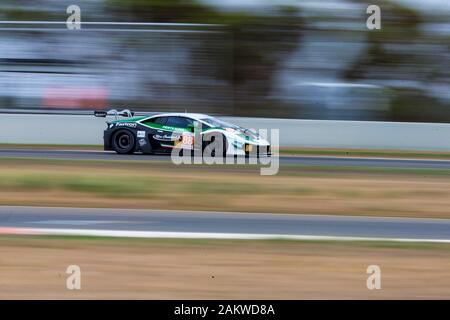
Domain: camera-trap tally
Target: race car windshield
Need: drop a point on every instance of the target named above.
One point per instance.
(213, 122)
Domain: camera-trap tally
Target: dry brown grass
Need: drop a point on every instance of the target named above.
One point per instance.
(165, 186)
(143, 269)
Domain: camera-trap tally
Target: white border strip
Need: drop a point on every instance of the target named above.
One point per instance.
(198, 235)
(157, 24)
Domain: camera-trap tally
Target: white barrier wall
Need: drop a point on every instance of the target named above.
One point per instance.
(83, 129)
(356, 134)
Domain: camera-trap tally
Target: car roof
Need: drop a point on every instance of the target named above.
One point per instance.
(195, 116)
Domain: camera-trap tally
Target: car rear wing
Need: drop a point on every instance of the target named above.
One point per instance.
(113, 112)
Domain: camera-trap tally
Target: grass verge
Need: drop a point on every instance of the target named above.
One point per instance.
(162, 185)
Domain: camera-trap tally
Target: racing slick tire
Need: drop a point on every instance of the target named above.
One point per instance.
(123, 142)
(209, 139)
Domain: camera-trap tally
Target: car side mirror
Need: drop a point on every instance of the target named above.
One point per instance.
(190, 127)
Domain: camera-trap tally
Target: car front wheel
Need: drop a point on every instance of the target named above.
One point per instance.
(210, 140)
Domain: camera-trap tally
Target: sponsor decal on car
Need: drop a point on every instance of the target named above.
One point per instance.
(126, 124)
(186, 141)
(141, 134)
(142, 142)
(165, 137)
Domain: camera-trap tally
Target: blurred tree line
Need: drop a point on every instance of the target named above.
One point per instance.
(400, 54)
(259, 43)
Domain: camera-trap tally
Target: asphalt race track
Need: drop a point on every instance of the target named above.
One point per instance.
(154, 224)
(302, 160)
(242, 225)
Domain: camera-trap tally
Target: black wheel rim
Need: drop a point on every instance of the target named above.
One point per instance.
(123, 141)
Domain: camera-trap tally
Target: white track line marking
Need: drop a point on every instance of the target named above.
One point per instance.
(112, 23)
(198, 235)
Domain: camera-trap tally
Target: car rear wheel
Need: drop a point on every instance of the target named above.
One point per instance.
(123, 142)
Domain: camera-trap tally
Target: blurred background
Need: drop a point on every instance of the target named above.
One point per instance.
(295, 59)
(259, 58)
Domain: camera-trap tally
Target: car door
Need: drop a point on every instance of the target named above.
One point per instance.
(182, 135)
(159, 137)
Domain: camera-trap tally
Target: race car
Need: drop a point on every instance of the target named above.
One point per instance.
(161, 133)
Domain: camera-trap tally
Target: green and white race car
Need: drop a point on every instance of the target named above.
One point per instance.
(162, 133)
